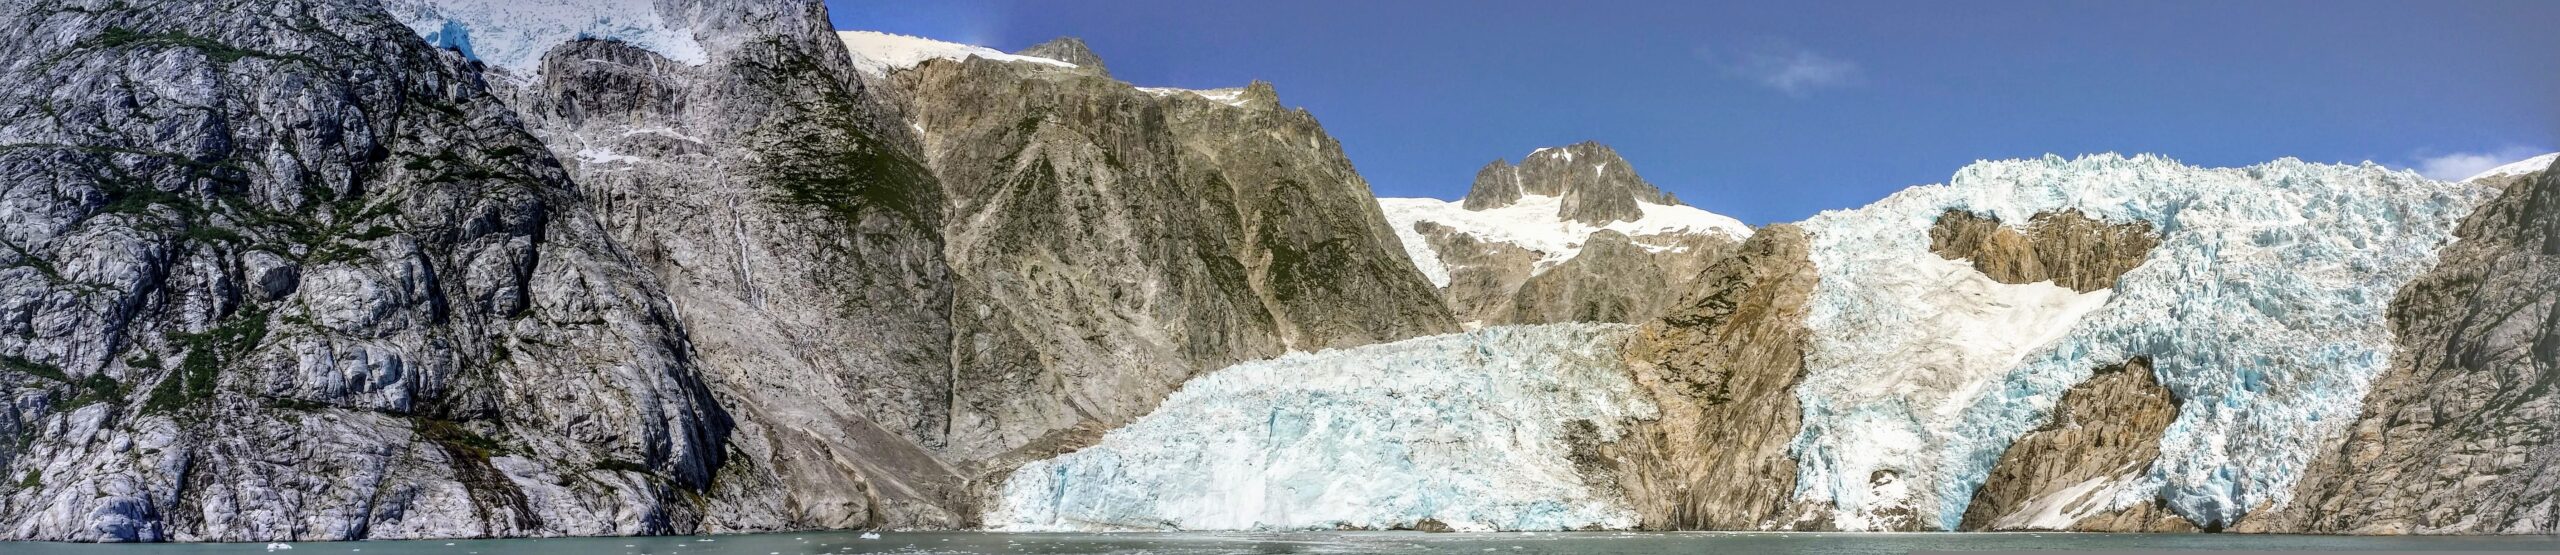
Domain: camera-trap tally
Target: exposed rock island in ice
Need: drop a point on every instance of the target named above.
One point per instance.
(1467, 429)
(2261, 309)
(514, 34)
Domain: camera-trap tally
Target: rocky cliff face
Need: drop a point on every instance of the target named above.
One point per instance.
(1720, 370)
(1108, 242)
(2456, 436)
(278, 270)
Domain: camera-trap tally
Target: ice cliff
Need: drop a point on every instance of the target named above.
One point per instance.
(1468, 429)
(514, 34)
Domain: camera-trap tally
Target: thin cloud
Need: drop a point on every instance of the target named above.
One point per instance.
(1788, 69)
(2462, 165)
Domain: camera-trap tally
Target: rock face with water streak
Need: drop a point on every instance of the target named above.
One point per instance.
(2456, 437)
(1719, 369)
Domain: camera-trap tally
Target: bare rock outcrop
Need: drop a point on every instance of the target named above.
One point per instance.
(1721, 370)
(2105, 432)
(2458, 435)
(1107, 243)
(2067, 248)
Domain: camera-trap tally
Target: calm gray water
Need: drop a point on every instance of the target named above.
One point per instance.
(1319, 542)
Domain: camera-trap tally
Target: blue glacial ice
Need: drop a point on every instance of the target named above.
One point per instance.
(2262, 310)
(1464, 428)
(514, 34)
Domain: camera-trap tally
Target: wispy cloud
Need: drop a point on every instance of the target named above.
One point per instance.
(2462, 165)
(1787, 68)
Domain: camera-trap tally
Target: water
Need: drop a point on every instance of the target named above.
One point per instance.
(1202, 543)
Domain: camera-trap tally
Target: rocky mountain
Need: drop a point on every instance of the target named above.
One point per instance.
(1572, 234)
(454, 268)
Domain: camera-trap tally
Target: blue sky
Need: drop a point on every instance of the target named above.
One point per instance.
(1772, 111)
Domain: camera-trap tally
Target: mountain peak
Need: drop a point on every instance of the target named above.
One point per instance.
(1598, 186)
(1070, 50)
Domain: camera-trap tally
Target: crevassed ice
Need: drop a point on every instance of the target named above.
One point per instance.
(2262, 309)
(514, 34)
(1465, 428)
(1531, 223)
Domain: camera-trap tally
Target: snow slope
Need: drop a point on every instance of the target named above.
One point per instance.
(2262, 309)
(2529, 165)
(1531, 223)
(514, 34)
(1464, 428)
(876, 53)
(1231, 96)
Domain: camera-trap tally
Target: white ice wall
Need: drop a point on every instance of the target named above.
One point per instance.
(1464, 428)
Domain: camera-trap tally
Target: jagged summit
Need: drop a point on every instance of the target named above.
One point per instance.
(1070, 50)
(1596, 184)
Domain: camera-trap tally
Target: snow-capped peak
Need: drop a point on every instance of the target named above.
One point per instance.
(2520, 167)
(876, 53)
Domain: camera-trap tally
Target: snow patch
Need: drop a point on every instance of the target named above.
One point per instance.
(876, 53)
(1232, 96)
(2529, 165)
(514, 34)
(1532, 224)
(1465, 428)
(2262, 308)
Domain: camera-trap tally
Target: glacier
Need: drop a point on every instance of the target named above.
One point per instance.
(2262, 310)
(514, 34)
(1469, 429)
